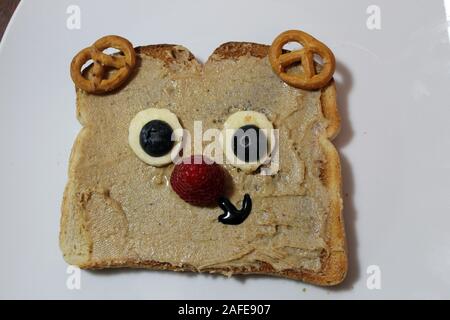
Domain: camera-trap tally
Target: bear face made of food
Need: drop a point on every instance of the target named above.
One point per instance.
(164, 172)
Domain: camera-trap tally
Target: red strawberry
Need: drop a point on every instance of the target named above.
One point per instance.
(198, 182)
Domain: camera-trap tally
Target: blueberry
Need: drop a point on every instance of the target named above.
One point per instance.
(249, 143)
(156, 138)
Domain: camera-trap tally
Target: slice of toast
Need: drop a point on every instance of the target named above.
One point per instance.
(120, 212)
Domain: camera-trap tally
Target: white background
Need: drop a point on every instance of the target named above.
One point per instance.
(393, 88)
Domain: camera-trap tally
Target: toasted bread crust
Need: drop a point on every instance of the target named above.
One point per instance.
(168, 53)
(235, 50)
(334, 262)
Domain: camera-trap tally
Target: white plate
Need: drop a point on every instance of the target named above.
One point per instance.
(393, 88)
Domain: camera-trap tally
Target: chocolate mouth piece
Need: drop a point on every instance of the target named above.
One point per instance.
(232, 215)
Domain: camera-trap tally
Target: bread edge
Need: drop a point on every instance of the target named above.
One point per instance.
(334, 262)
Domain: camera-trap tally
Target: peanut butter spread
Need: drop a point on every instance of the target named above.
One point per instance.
(128, 208)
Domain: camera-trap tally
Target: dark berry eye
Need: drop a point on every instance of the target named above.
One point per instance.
(156, 138)
(248, 140)
(249, 143)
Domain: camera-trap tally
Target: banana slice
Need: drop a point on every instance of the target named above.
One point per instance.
(248, 139)
(155, 136)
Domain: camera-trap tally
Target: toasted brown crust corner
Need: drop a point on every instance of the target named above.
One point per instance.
(235, 50)
(168, 53)
(334, 262)
(330, 109)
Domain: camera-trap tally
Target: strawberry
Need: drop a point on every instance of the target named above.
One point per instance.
(197, 182)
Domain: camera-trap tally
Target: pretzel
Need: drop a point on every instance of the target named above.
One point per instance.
(309, 79)
(99, 82)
